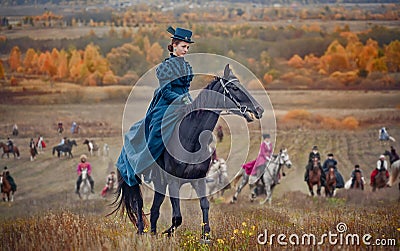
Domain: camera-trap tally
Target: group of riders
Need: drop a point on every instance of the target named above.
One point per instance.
(381, 166)
(314, 155)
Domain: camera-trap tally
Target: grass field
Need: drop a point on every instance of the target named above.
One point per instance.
(47, 215)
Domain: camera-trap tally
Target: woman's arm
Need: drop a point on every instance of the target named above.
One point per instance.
(168, 94)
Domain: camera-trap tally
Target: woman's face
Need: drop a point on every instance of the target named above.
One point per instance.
(181, 48)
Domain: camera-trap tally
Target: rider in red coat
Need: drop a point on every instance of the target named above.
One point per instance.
(264, 155)
(81, 166)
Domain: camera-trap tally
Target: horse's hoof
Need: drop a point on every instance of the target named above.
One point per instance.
(205, 240)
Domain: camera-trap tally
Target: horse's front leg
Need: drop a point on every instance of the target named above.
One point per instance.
(311, 189)
(319, 189)
(176, 208)
(268, 190)
(200, 188)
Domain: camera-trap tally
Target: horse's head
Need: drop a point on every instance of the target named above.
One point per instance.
(284, 158)
(73, 143)
(86, 141)
(236, 98)
(387, 153)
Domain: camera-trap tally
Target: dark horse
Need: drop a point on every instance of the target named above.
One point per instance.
(380, 181)
(66, 148)
(224, 93)
(330, 184)
(6, 188)
(7, 151)
(314, 176)
(358, 181)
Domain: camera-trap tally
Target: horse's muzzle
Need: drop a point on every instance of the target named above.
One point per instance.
(259, 112)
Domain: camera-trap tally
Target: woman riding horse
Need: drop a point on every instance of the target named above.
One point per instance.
(8, 186)
(145, 143)
(7, 151)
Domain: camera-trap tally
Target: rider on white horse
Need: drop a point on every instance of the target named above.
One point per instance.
(250, 168)
(81, 166)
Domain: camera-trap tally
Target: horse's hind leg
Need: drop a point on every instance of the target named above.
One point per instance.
(245, 180)
(176, 209)
(155, 210)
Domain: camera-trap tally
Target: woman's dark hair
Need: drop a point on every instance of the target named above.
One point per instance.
(174, 41)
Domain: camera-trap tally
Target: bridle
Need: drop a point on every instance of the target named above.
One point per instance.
(241, 108)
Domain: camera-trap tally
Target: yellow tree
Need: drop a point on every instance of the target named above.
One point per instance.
(368, 54)
(62, 67)
(335, 58)
(48, 66)
(154, 54)
(29, 60)
(15, 58)
(75, 64)
(392, 56)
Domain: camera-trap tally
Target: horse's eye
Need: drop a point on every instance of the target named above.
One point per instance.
(235, 88)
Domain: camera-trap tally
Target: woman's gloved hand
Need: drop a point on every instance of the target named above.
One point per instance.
(186, 100)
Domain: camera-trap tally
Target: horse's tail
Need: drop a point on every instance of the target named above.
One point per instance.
(17, 151)
(129, 200)
(54, 150)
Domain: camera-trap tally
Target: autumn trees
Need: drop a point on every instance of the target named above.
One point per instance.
(281, 57)
(86, 67)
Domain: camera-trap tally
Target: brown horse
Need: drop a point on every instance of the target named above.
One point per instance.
(380, 181)
(314, 177)
(7, 151)
(92, 146)
(330, 183)
(6, 189)
(358, 182)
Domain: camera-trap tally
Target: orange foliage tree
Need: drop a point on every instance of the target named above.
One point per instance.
(392, 56)
(15, 58)
(2, 75)
(29, 60)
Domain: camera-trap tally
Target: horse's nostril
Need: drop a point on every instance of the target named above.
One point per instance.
(259, 110)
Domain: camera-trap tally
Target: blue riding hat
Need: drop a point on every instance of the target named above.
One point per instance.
(181, 34)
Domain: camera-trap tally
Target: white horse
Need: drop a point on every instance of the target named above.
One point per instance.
(266, 179)
(270, 175)
(85, 185)
(217, 178)
(106, 150)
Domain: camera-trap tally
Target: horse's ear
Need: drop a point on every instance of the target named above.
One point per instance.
(227, 72)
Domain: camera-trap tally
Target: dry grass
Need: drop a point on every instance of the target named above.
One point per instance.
(47, 215)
